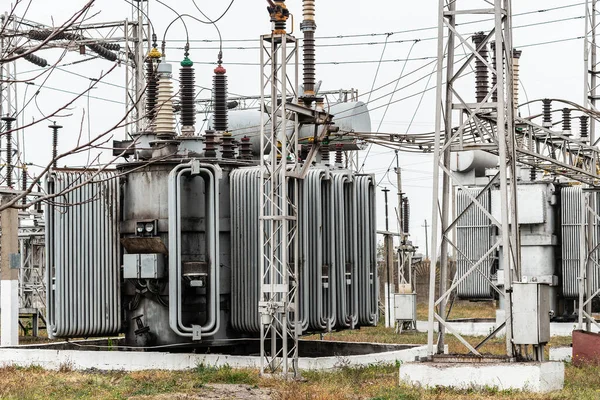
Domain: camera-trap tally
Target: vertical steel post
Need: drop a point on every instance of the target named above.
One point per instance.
(278, 213)
(495, 133)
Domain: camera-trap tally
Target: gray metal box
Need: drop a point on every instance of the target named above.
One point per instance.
(130, 266)
(405, 307)
(531, 313)
(152, 266)
(143, 266)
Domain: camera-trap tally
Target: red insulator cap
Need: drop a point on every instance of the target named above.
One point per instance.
(220, 70)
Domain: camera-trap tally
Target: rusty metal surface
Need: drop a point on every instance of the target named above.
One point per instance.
(144, 245)
(586, 348)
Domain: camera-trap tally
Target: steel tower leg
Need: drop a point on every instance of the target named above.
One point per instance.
(494, 127)
(590, 219)
(278, 214)
(137, 33)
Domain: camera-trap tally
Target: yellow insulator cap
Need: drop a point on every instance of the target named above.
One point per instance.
(154, 53)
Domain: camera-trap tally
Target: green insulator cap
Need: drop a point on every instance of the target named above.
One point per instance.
(186, 62)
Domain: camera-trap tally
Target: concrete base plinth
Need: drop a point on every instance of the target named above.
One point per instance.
(561, 354)
(530, 377)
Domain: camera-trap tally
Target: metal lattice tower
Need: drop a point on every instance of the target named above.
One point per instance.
(279, 329)
(589, 217)
(9, 105)
(138, 35)
(493, 131)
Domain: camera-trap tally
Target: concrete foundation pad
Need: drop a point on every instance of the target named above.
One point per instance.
(530, 377)
(54, 359)
(557, 329)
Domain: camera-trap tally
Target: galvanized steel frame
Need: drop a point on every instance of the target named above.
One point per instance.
(448, 139)
(278, 306)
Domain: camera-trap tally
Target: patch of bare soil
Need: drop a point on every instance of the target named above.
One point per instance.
(216, 392)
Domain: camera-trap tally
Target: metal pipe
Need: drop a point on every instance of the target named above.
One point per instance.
(210, 174)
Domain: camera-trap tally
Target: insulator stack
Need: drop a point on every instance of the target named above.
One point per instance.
(151, 89)
(533, 174)
(304, 150)
(9, 150)
(339, 155)
(111, 46)
(515, 62)
(481, 69)
(566, 120)
(55, 129)
(220, 99)
(547, 113)
(308, 27)
(165, 117)
(405, 215)
(494, 75)
(325, 152)
(246, 149)
(103, 52)
(210, 144)
(279, 16)
(24, 184)
(32, 58)
(227, 146)
(38, 205)
(583, 120)
(187, 97)
(43, 35)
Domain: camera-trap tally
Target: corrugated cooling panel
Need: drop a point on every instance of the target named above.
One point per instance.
(473, 231)
(571, 219)
(83, 260)
(337, 244)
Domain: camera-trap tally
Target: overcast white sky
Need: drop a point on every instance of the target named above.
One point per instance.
(551, 70)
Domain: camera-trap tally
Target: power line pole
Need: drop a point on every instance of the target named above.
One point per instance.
(426, 240)
(389, 260)
(9, 275)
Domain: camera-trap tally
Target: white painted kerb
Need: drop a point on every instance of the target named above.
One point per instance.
(531, 377)
(139, 361)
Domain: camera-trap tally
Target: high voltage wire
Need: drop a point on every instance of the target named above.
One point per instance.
(373, 43)
(540, 11)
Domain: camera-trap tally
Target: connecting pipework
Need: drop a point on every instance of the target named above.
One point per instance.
(220, 97)
(308, 27)
(9, 165)
(187, 96)
(279, 16)
(481, 69)
(165, 117)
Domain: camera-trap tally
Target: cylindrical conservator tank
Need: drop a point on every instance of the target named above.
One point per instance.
(349, 117)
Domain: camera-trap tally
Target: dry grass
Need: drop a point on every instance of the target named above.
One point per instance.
(463, 309)
(373, 382)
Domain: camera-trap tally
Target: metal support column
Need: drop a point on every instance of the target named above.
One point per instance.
(278, 214)
(493, 131)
